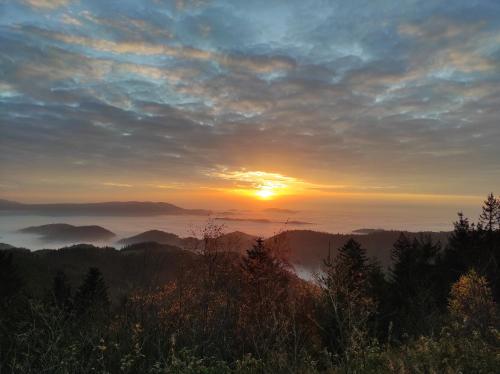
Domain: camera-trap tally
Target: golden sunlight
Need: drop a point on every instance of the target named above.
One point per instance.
(259, 184)
(265, 193)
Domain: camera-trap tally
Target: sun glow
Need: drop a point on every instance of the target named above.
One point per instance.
(259, 184)
(265, 193)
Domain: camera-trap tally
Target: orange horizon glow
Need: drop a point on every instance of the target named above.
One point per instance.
(240, 186)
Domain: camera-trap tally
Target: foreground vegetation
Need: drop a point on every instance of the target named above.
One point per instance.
(434, 311)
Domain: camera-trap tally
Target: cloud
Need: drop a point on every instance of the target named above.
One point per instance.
(120, 185)
(355, 97)
(47, 4)
(70, 20)
(258, 64)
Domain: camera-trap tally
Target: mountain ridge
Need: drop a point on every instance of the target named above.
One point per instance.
(63, 232)
(107, 208)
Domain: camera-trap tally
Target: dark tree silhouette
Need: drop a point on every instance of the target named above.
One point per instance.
(490, 215)
(415, 290)
(92, 296)
(61, 291)
(353, 257)
(461, 252)
(10, 280)
(265, 299)
(489, 233)
(346, 306)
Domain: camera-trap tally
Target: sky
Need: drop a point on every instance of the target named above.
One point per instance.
(242, 101)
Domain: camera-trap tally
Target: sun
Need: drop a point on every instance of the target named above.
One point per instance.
(265, 192)
(260, 185)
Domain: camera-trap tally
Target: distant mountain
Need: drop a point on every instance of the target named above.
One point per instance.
(261, 220)
(236, 241)
(366, 231)
(156, 236)
(114, 208)
(280, 210)
(6, 246)
(305, 248)
(62, 232)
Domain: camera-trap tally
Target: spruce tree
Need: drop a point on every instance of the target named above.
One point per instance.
(265, 299)
(61, 291)
(10, 280)
(490, 243)
(461, 251)
(490, 214)
(92, 296)
(347, 304)
(415, 284)
(353, 257)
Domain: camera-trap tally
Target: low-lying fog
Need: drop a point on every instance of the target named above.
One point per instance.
(343, 220)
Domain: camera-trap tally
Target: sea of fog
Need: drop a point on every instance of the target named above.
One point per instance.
(335, 220)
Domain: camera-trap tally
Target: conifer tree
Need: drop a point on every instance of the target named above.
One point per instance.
(461, 251)
(353, 257)
(346, 305)
(61, 291)
(414, 282)
(10, 280)
(265, 299)
(403, 257)
(489, 256)
(92, 296)
(490, 214)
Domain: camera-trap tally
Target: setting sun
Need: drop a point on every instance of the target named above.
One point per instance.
(265, 193)
(259, 184)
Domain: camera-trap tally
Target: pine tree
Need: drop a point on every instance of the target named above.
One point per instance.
(261, 266)
(403, 257)
(347, 304)
(92, 296)
(10, 280)
(61, 291)
(461, 251)
(414, 283)
(490, 214)
(353, 257)
(263, 319)
(489, 255)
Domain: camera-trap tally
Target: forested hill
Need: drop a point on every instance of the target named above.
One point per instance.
(137, 266)
(305, 248)
(309, 248)
(143, 262)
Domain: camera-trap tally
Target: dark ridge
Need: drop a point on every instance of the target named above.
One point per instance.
(157, 236)
(114, 208)
(62, 232)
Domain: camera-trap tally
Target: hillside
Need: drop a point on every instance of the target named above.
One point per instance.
(62, 232)
(157, 236)
(236, 241)
(142, 265)
(305, 248)
(308, 248)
